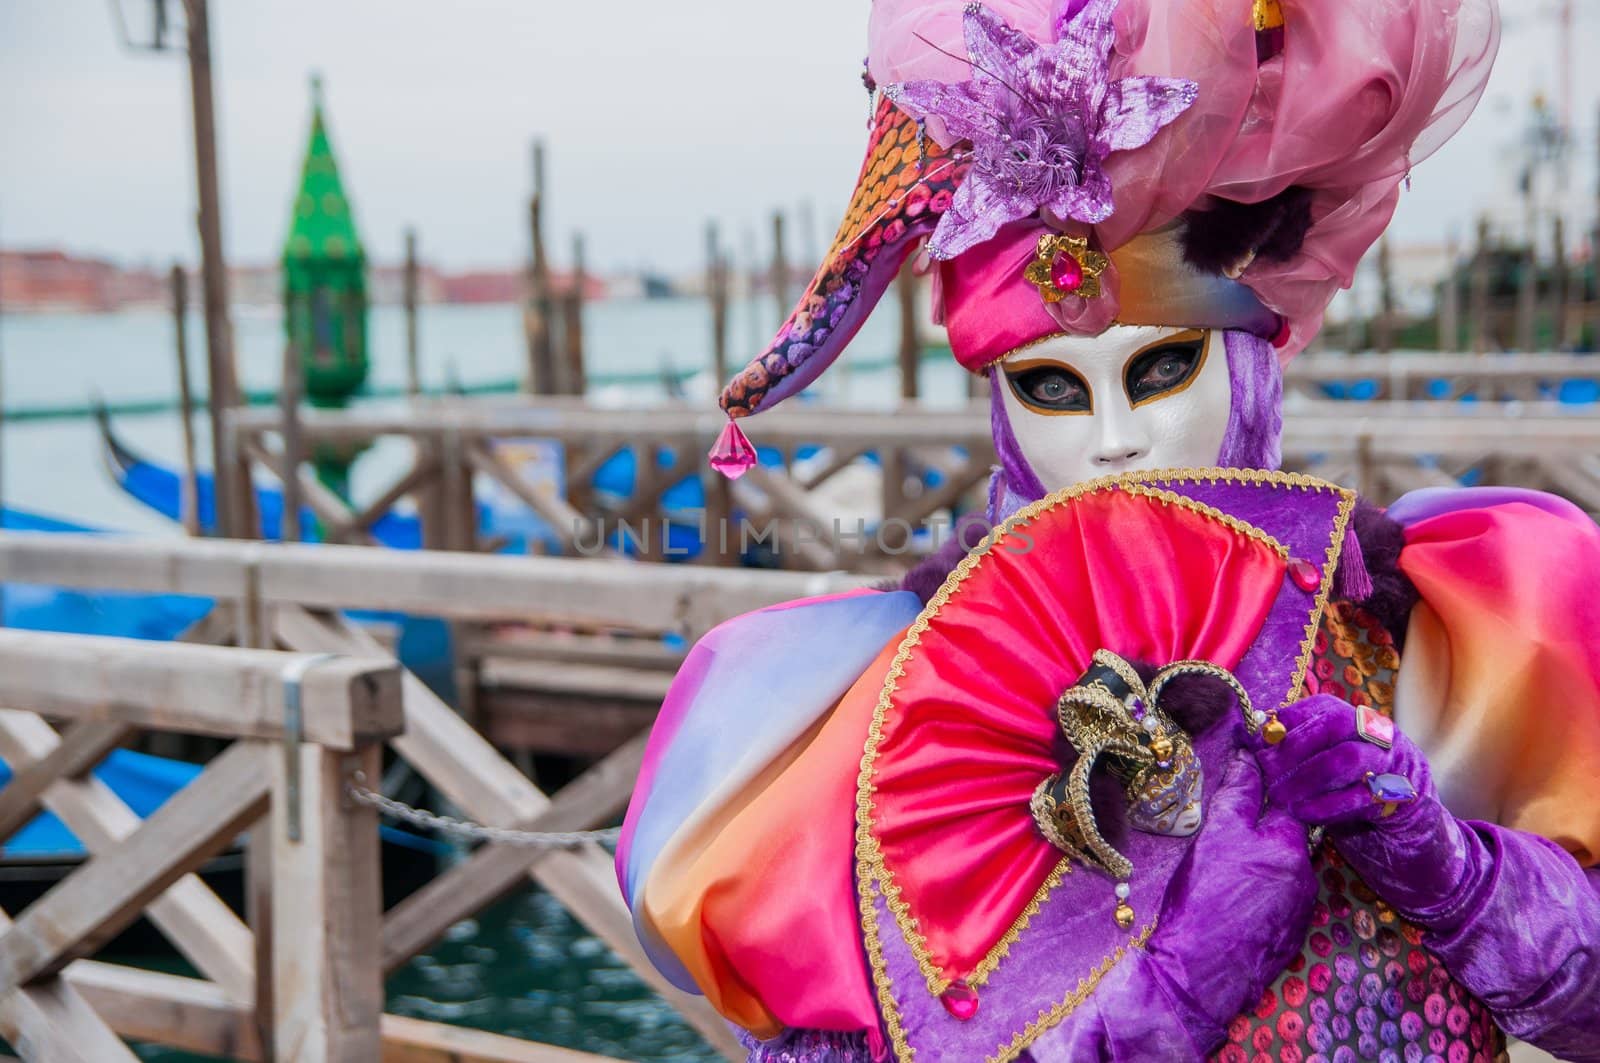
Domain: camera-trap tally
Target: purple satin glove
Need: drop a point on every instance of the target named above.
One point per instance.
(1511, 915)
(1234, 915)
(1416, 857)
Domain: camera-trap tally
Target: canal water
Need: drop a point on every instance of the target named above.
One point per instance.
(52, 362)
(525, 968)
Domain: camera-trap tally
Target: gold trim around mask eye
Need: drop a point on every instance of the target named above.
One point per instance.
(1036, 363)
(1186, 336)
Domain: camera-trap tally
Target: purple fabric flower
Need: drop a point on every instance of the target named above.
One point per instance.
(1041, 120)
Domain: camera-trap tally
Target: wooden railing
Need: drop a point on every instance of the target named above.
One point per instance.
(1430, 376)
(288, 597)
(454, 443)
(1383, 447)
(282, 777)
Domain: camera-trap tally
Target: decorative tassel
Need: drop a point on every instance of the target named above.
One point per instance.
(1353, 579)
(1268, 18)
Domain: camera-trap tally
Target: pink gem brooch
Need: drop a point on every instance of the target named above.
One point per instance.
(1064, 265)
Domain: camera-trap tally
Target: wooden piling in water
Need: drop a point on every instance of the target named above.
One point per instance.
(717, 295)
(1383, 325)
(1449, 322)
(910, 341)
(235, 501)
(1527, 297)
(1560, 279)
(289, 387)
(189, 486)
(780, 269)
(1478, 292)
(537, 324)
(576, 382)
(413, 354)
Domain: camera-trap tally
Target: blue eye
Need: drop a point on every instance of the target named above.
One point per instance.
(1051, 389)
(1163, 369)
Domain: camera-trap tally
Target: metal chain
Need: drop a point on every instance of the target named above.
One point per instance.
(469, 831)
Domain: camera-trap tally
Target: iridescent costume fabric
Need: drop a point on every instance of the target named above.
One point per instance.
(777, 871)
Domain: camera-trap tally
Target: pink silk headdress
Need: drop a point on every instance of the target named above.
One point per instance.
(1210, 163)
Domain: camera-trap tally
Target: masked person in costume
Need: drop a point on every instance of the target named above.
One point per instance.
(1186, 757)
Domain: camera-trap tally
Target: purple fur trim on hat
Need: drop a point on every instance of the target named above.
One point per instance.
(1393, 595)
(929, 574)
(806, 1046)
(1020, 477)
(1228, 233)
(1254, 438)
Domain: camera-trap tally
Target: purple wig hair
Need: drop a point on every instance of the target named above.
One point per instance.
(1253, 439)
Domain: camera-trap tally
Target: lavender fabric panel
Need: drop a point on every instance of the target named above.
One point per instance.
(1524, 936)
(1303, 523)
(1127, 1018)
(1019, 475)
(1432, 501)
(805, 1046)
(1254, 437)
(1234, 904)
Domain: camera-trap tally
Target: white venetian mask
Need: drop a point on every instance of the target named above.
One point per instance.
(1133, 397)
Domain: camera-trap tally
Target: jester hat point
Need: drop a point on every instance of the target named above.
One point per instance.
(1074, 164)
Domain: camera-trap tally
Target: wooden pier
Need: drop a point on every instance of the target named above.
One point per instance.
(302, 978)
(1514, 435)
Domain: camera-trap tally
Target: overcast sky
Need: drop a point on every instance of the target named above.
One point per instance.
(657, 117)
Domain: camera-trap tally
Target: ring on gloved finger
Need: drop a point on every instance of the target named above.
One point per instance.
(1390, 790)
(1374, 726)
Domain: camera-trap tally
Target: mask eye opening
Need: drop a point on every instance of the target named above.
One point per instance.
(1050, 388)
(1165, 368)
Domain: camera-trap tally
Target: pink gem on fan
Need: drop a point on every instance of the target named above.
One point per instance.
(732, 455)
(1305, 575)
(960, 1000)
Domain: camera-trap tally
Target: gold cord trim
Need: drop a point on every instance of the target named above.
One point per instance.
(1243, 528)
(872, 874)
(991, 962)
(1051, 1017)
(1341, 524)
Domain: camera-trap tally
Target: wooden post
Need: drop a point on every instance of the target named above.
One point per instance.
(1449, 330)
(572, 325)
(2, 431)
(780, 269)
(1478, 294)
(910, 342)
(230, 478)
(189, 487)
(717, 292)
(289, 529)
(1383, 327)
(541, 378)
(327, 920)
(413, 357)
(1560, 338)
(1528, 297)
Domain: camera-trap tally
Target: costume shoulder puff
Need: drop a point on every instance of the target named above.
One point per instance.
(738, 771)
(1500, 679)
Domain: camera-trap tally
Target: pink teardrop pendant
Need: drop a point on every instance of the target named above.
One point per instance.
(960, 1000)
(732, 455)
(1066, 273)
(1305, 575)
